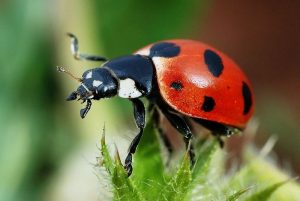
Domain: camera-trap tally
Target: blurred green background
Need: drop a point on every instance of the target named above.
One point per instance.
(47, 152)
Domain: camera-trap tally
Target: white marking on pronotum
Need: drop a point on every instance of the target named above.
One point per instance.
(89, 75)
(97, 83)
(127, 89)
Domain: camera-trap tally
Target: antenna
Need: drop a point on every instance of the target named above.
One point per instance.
(63, 70)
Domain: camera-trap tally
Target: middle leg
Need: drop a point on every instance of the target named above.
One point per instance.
(162, 134)
(183, 128)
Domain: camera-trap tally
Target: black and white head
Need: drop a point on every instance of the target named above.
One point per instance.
(95, 84)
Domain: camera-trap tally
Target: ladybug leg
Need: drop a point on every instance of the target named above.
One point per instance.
(79, 56)
(84, 111)
(219, 139)
(164, 137)
(139, 116)
(217, 129)
(189, 146)
(183, 128)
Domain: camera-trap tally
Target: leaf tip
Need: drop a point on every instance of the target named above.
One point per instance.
(103, 135)
(117, 155)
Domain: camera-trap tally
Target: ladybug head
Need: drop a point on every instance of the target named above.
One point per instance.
(95, 84)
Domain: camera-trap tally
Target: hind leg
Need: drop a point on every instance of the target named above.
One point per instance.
(217, 129)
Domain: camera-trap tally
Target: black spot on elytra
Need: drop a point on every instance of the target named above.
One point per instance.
(247, 98)
(208, 104)
(213, 62)
(176, 85)
(164, 49)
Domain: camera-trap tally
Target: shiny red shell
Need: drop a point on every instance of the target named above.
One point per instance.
(190, 69)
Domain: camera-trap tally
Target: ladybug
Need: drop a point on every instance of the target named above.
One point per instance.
(184, 80)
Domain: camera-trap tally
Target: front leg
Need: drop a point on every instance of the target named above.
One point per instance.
(79, 56)
(87, 108)
(139, 116)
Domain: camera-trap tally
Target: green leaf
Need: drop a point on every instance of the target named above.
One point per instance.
(106, 160)
(201, 169)
(179, 185)
(238, 194)
(258, 170)
(124, 190)
(203, 161)
(265, 193)
(148, 167)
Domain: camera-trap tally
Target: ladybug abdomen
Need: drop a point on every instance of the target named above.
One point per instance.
(201, 82)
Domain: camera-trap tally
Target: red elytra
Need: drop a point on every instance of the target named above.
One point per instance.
(190, 69)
